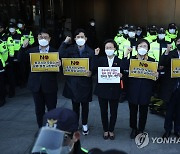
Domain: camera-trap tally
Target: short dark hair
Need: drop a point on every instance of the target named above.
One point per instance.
(111, 41)
(44, 30)
(79, 30)
(142, 40)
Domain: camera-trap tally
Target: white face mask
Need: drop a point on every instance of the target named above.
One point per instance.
(43, 42)
(12, 30)
(131, 34)
(161, 36)
(138, 32)
(142, 51)
(120, 31)
(109, 52)
(125, 31)
(172, 31)
(92, 24)
(80, 42)
(19, 25)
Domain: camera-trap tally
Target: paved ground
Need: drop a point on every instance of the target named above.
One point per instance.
(18, 126)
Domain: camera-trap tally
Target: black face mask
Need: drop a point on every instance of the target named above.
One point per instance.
(178, 46)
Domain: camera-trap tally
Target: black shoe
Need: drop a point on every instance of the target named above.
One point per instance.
(166, 134)
(177, 134)
(133, 134)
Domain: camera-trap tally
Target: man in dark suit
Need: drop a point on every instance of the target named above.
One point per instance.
(43, 85)
(171, 92)
(78, 88)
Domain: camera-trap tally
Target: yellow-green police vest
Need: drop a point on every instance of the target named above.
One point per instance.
(123, 49)
(170, 36)
(29, 36)
(150, 38)
(154, 50)
(3, 62)
(4, 50)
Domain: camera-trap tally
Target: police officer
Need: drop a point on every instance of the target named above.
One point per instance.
(119, 39)
(158, 47)
(17, 40)
(130, 42)
(3, 61)
(151, 34)
(43, 85)
(171, 34)
(60, 131)
(139, 34)
(125, 31)
(79, 88)
(171, 92)
(2, 77)
(26, 33)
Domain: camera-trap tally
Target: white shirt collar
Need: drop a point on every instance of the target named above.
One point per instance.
(110, 61)
(46, 50)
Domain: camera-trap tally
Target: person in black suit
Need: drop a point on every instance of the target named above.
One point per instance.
(43, 85)
(108, 93)
(78, 88)
(171, 92)
(139, 89)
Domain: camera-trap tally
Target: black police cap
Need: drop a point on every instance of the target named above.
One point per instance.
(61, 118)
(132, 28)
(172, 26)
(161, 30)
(12, 25)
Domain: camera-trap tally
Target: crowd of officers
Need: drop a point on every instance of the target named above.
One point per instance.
(12, 71)
(131, 42)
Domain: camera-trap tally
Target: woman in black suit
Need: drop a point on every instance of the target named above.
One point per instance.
(108, 93)
(139, 89)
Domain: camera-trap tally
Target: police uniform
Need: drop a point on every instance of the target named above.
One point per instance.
(151, 34)
(26, 34)
(65, 120)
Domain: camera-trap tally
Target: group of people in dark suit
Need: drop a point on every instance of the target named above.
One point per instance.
(79, 88)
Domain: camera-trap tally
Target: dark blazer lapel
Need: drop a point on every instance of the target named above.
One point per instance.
(115, 62)
(106, 64)
(175, 55)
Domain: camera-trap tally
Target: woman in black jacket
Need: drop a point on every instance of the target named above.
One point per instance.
(108, 93)
(139, 89)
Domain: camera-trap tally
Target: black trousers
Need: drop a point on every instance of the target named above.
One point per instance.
(43, 100)
(143, 111)
(2, 89)
(84, 113)
(173, 112)
(113, 104)
(10, 78)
